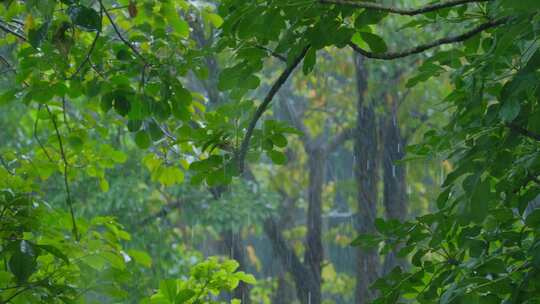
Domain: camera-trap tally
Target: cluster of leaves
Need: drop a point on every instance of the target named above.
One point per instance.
(43, 263)
(207, 280)
(482, 245)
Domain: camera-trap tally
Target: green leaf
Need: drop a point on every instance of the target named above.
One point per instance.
(533, 219)
(215, 19)
(184, 295)
(85, 17)
(23, 261)
(170, 176)
(375, 43)
(37, 35)
(279, 140)
(141, 257)
(142, 139)
(179, 25)
(309, 61)
(76, 143)
(121, 103)
(509, 110)
(134, 125)
(54, 251)
(523, 5)
(106, 102)
(247, 278)
(366, 241)
(169, 289)
(368, 17)
(478, 206)
(277, 157)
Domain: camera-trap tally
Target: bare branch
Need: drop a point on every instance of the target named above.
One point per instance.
(264, 105)
(12, 32)
(423, 47)
(402, 11)
(66, 165)
(527, 133)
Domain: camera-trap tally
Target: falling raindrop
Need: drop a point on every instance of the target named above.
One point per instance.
(399, 148)
(368, 164)
(393, 171)
(309, 297)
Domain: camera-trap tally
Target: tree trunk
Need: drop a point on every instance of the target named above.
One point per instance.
(365, 152)
(233, 242)
(313, 257)
(303, 279)
(395, 195)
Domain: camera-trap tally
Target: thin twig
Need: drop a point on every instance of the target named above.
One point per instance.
(402, 11)
(264, 105)
(423, 47)
(95, 69)
(90, 50)
(13, 296)
(272, 52)
(66, 166)
(5, 165)
(64, 112)
(119, 34)
(35, 131)
(6, 62)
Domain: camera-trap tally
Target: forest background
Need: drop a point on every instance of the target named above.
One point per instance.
(269, 151)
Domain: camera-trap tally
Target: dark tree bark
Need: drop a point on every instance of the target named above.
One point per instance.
(285, 293)
(304, 281)
(307, 274)
(394, 175)
(366, 174)
(313, 257)
(233, 242)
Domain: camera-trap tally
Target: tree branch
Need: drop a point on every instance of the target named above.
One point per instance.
(339, 139)
(12, 32)
(402, 11)
(35, 131)
(288, 257)
(5, 165)
(66, 165)
(272, 52)
(264, 105)
(423, 47)
(527, 133)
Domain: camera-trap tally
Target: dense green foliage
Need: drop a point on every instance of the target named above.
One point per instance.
(135, 133)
